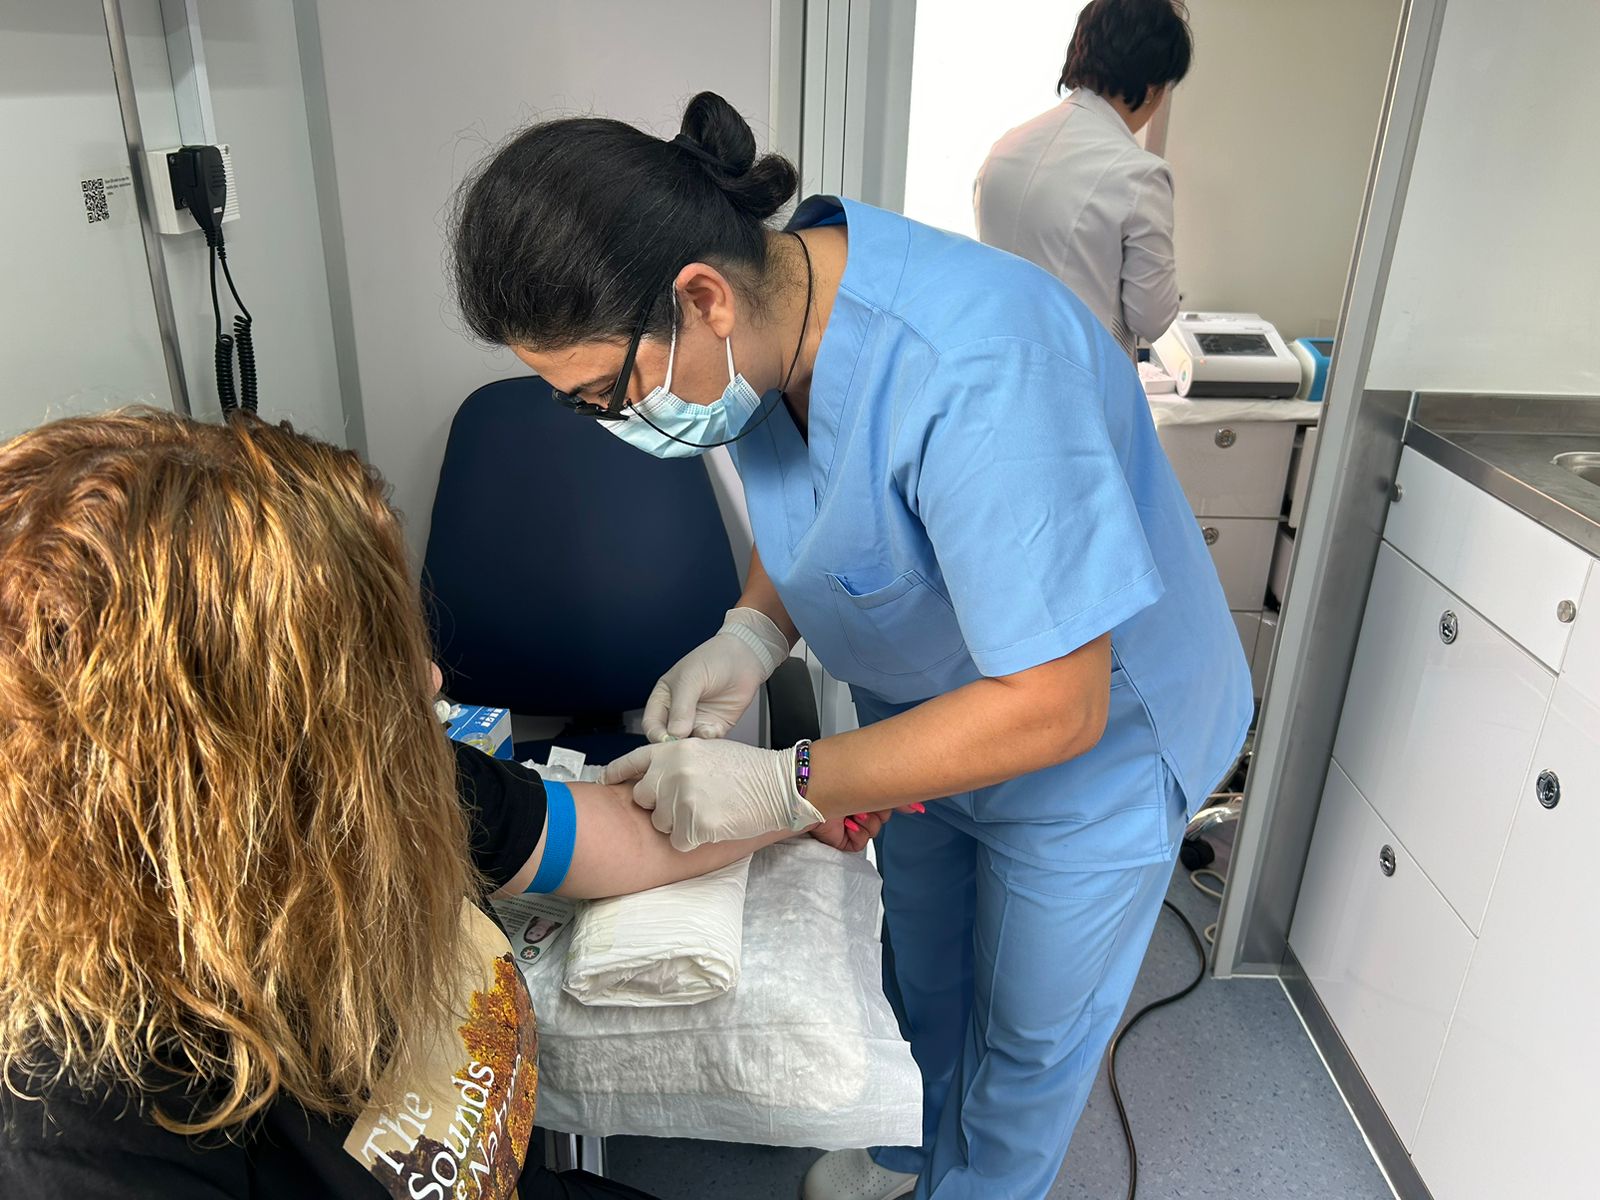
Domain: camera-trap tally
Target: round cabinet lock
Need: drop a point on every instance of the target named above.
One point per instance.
(1386, 860)
(1397, 493)
(1211, 534)
(1225, 438)
(1449, 627)
(1548, 788)
(1566, 612)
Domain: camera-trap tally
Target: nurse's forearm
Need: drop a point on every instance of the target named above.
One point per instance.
(981, 734)
(761, 595)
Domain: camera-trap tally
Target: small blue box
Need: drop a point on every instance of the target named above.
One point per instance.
(487, 729)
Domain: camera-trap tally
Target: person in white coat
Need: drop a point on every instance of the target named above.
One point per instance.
(1073, 191)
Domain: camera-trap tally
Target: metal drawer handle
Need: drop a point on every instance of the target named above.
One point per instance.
(1449, 627)
(1566, 612)
(1548, 788)
(1386, 860)
(1211, 534)
(1225, 438)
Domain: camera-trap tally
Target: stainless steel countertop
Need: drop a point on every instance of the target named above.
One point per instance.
(1504, 445)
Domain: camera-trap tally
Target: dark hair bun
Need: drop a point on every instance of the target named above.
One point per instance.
(759, 187)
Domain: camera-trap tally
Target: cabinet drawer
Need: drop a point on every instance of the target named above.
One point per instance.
(1238, 469)
(1512, 1111)
(1249, 626)
(1282, 560)
(1265, 645)
(1242, 551)
(1300, 475)
(1384, 952)
(1437, 735)
(1512, 570)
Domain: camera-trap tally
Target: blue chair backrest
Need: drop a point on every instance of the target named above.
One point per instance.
(565, 570)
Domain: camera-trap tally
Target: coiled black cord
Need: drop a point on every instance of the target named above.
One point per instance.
(245, 394)
(1116, 1042)
(227, 396)
(243, 342)
(246, 347)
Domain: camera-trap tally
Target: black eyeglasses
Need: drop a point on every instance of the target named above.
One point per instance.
(616, 408)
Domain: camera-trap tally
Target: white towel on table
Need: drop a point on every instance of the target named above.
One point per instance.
(677, 944)
(804, 1052)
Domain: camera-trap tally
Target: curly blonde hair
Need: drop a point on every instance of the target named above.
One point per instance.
(230, 845)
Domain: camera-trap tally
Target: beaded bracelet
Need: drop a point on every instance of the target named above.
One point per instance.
(802, 766)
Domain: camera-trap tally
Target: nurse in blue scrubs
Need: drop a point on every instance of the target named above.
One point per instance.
(959, 502)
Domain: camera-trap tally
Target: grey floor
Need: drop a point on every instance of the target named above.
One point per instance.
(1227, 1098)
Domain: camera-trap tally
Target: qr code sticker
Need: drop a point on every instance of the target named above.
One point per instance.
(94, 200)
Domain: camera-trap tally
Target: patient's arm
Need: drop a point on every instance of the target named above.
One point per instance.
(619, 851)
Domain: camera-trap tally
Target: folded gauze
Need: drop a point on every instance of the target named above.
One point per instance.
(678, 944)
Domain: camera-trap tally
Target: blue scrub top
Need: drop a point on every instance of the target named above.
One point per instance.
(983, 491)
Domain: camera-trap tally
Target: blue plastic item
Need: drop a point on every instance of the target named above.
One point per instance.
(1314, 354)
(487, 729)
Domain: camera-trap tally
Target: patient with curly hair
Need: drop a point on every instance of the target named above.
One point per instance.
(243, 948)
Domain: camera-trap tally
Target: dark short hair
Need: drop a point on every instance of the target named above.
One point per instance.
(576, 225)
(1123, 48)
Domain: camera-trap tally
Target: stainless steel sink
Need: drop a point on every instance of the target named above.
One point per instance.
(1585, 464)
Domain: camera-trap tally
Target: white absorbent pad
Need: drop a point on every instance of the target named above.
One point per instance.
(677, 944)
(804, 1052)
(1180, 410)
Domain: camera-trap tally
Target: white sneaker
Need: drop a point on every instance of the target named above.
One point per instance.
(852, 1175)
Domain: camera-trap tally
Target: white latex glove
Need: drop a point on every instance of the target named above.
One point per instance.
(714, 791)
(708, 689)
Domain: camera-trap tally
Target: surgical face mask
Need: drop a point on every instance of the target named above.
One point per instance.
(668, 426)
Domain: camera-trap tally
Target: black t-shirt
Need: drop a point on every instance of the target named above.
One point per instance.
(103, 1146)
(505, 811)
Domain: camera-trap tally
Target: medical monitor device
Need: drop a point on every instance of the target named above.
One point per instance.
(1234, 355)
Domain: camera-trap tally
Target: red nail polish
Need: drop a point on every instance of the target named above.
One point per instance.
(849, 823)
(919, 808)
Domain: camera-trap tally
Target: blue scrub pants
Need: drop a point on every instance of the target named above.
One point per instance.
(1009, 980)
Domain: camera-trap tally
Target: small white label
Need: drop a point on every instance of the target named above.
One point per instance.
(570, 761)
(107, 199)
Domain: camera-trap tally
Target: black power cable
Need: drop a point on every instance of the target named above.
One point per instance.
(1116, 1042)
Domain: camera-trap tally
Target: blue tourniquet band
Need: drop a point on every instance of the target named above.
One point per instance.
(560, 836)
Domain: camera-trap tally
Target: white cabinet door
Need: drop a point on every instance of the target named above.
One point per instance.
(1261, 664)
(1231, 470)
(1511, 569)
(1282, 560)
(1581, 667)
(1437, 734)
(1515, 1108)
(1384, 952)
(1241, 549)
(1252, 635)
(1305, 455)
(1249, 626)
